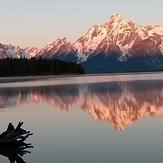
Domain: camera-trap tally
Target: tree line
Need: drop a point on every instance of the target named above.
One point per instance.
(33, 66)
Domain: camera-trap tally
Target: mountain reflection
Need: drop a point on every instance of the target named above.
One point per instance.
(119, 103)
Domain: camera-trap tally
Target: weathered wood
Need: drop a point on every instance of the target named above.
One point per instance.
(14, 137)
(12, 143)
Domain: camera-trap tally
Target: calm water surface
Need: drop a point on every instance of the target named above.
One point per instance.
(91, 119)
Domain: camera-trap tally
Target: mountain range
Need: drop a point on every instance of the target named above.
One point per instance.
(119, 45)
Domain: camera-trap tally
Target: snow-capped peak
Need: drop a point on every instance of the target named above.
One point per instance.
(117, 34)
(115, 18)
(12, 52)
(88, 43)
(33, 51)
(57, 48)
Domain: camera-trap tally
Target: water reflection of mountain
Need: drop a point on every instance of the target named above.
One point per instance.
(119, 104)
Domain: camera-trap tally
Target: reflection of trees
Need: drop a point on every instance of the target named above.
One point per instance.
(119, 103)
(62, 97)
(10, 97)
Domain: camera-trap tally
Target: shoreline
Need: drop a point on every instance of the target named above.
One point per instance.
(77, 75)
(54, 80)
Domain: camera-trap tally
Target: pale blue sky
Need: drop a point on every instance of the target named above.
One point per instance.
(40, 22)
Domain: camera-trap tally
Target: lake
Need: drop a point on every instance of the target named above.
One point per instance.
(114, 118)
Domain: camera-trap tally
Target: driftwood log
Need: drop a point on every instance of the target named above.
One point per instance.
(12, 143)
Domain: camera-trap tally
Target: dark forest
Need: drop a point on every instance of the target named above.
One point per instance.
(26, 67)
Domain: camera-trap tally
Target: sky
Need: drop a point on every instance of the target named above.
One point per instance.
(40, 22)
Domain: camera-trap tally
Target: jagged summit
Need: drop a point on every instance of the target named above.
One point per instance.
(60, 49)
(123, 36)
(115, 18)
(63, 40)
(12, 52)
(32, 51)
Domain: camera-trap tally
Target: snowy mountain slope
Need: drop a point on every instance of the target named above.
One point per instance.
(59, 49)
(32, 51)
(121, 40)
(12, 52)
(122, 36)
